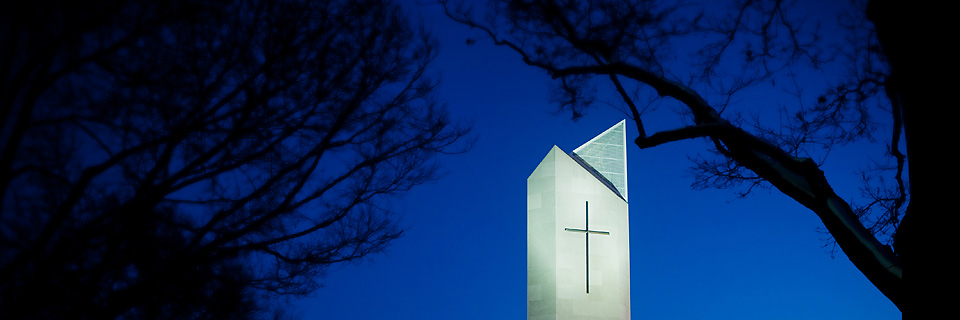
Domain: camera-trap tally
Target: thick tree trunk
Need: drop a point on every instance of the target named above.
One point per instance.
(915, 57)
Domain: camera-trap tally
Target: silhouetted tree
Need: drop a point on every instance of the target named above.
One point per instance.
(184, 159)
(917, 61)
(634, 45)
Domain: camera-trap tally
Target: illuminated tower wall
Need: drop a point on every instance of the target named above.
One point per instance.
(578, 255)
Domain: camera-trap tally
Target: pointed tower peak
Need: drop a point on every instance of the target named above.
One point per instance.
(607, 154)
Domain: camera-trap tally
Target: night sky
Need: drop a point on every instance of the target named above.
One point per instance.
(695, 254)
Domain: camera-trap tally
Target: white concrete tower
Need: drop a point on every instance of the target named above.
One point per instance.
(578, 253)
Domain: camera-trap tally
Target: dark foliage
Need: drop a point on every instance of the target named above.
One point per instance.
(185, 159)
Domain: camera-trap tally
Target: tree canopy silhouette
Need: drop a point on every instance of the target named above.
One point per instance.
(651, 52)
(182, 159)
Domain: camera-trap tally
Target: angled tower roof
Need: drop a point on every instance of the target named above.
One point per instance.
(607, 155)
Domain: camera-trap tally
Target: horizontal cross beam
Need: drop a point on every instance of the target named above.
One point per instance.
(587, 231)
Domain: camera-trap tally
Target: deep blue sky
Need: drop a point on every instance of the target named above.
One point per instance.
(694, 254)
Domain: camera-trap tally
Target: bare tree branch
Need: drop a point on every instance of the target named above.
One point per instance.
(558, 37)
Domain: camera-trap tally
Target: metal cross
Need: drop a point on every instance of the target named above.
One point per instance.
(586, 231)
